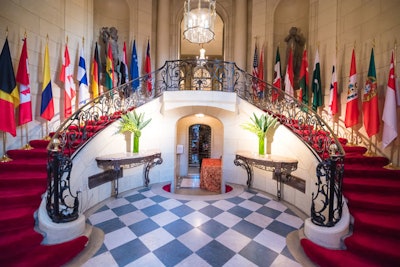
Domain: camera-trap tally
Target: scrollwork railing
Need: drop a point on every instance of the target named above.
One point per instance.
(178, 75)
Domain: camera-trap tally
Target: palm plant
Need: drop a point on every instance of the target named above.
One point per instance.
(133, 123)
(260, 126)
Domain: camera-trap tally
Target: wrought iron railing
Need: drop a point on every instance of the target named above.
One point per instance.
(86, 122)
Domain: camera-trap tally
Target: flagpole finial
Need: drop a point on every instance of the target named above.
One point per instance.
(25, 34)
(7, 32)
(66, 39)
(354, 47)
(47, 38)
(373, 42)
(83, 40)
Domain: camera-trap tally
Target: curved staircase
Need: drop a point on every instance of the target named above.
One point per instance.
(373, 197)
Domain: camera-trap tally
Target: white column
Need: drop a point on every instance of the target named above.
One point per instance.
(163, 36)
(240, 34)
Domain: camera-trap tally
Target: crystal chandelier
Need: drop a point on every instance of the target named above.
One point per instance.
(199, 21)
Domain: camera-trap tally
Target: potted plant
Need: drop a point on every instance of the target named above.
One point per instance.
(133, 123)
(260, 126)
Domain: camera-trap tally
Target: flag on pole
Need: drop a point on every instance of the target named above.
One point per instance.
(147, 68)
(255, 71)
(109, 68)
(277, 75)
(261, 85)
(333, 92)
(289, 76)
(370, 100)
(84, 95)
(316, 84)
(69, 85)
(304, 80)
(9, 96)
(47, 104)
(389, 116)
(124, 66)
(95, 73)
(351, 117)
(134, 68)
(25, 105)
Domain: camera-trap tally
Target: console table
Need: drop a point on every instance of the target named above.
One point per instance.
(117, 162)
(280, 166)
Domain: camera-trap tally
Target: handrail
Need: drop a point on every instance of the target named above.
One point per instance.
(87, 121)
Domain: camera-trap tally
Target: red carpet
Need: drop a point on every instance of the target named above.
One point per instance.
(372, 194)
(167, 188)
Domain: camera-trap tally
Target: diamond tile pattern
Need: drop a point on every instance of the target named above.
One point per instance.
(145, 229)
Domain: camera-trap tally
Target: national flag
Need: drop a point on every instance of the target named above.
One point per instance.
(134, 68)
(289, 76)
(47, 104)
(333, 93)
(84, 95)
(147, 68)
(9, 96)
(109, 68)
(277, 75)
(351, 117)
(69, 84)
(25, 105)
(255, 71)
(370, 100)
(389, 116)
(95, 73)
(304, 79)
(316, 84)
(261, 85)
(124, 66)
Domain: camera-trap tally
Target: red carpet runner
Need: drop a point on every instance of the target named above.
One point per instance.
(22, 184)
(372, 194)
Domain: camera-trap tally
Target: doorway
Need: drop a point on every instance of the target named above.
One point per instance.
(200, 145)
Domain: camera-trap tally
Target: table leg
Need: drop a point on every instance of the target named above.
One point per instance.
(240, 162)
(148, 166)
(278, 176)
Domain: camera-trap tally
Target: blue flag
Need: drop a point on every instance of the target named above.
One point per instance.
(134, 68)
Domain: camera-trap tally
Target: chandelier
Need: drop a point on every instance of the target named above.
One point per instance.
(199, 17)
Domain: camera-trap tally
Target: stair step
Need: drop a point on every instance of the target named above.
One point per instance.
(355, 149)
(371, 245)
(18, 165)
(20, 197)
(27, 154)
(370, 161)
(11, 243)
(359, 170)
(355, 184)
(22, 178)
(17, 218)
(386, 224)
(373, 201)
(39, 143)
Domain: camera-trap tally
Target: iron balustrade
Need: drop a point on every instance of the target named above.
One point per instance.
(86, 122)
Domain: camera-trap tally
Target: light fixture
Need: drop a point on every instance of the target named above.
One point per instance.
(199, 21)
(199, 115)
(202, 59)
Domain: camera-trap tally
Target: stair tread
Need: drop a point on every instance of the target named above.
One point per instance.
(377, 182)
(378, 218)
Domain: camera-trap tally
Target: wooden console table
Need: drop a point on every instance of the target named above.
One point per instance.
(280, 166)
(116, 162)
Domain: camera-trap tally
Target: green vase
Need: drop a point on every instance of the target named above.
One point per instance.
(135, 143)
(261, 146)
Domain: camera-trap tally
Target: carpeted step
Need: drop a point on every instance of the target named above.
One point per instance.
(22, 178)
(17, 218)
(381, 223)
(360, 170)
(39, 143)
(361, 184)
(355, 149)
(50, 255)
(35, 164)
(20, 197)
(372, 245)
(373, 201)
(15, 244)
(16, 154)
(352, 158)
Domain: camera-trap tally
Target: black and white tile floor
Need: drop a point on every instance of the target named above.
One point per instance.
(149, 228)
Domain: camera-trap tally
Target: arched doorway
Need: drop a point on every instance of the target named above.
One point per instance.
(200, 144)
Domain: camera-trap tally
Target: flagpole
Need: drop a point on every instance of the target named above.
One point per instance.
(27, 146)
(5, 158)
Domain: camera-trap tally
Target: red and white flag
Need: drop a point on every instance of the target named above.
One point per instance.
(352, 111)
(289, 75)
(389, 116)
(69, 85)
(333, 92)
(25, 106)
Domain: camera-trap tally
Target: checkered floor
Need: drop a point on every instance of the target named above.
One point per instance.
(147, 229)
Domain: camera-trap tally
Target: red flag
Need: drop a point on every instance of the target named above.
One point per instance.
(25, 106)
(333, 101)
(261, 85)
(304, 79)
(147, 68)
(370, 100)
(389, 116)
(9, 97)
(69, 85)
(277, 75)
(255, 70)
(95, 73)
(289, 75)
(352, 112)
